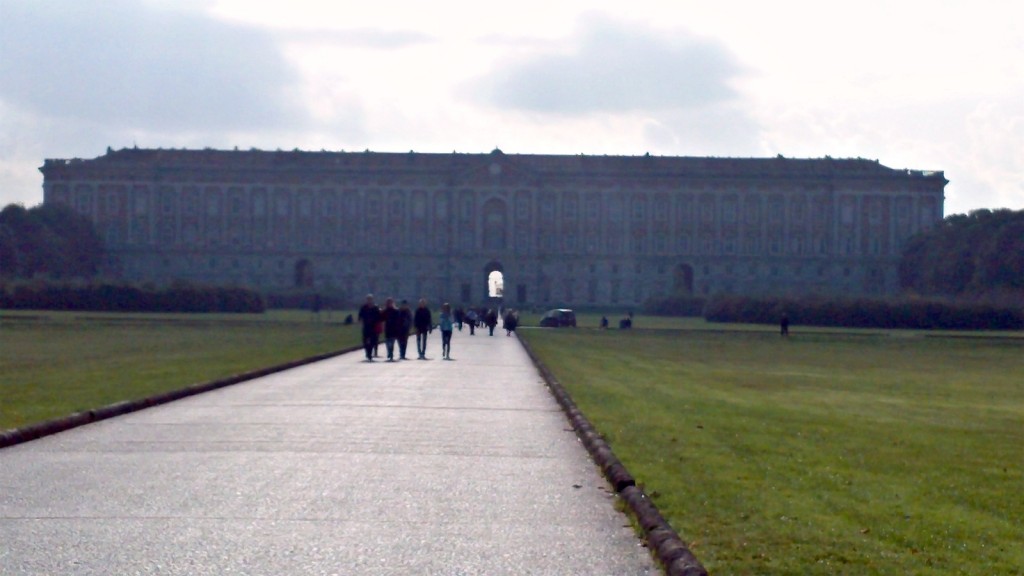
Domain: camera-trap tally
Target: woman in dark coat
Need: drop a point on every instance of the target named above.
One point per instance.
(511, 321)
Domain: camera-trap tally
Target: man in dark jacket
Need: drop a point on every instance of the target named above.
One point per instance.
(405, 319)
(491, 319)
(369, 315)
(392, 326)
(423, 322)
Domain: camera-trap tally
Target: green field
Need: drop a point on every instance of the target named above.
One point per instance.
(54, 364)
(831, 452)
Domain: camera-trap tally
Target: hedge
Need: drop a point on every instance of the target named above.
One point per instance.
(675, 306)
(109, 297)
(865, 313)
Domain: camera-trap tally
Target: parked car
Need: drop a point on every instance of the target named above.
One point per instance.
(558, 318)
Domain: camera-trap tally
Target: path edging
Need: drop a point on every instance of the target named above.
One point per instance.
(670, 550)
(13, 436)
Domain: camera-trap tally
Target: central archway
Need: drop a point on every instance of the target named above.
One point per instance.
(496, 284)
(494, 273)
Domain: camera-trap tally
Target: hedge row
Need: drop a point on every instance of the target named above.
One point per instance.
(129, 298)
(915, 314)
(307, 301)
(675, 306)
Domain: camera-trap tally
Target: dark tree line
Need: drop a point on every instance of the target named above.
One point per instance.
(979, 255)
(47, 241)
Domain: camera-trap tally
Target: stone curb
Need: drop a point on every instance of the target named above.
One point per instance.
(14, 436)
(670, 550)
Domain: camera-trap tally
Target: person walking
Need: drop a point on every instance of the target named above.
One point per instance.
(405, 319)
(392, 327)
(511, 321)
(424, 323)
(370, 316)
(446, 322)
(379, 329)
(491, 319)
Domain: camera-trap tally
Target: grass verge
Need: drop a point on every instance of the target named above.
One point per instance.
(824, 453)
(54, 364)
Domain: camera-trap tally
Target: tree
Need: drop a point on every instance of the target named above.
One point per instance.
(979, 254)
(48, 240)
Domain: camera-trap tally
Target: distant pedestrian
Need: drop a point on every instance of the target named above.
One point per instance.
(471, 319)
(446, 322)
(424, 324)
(316, 306)
(459, 317)
(491, 319)
(369, 315)
(405, 317)
(784, 325)
(379, 330)
(604, 322)
(511, 321)
(392, 327)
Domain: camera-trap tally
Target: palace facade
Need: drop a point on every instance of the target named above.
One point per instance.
(561, 230)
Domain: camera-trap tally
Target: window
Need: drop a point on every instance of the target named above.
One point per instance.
(569, 209)
(639, 208)
(775, 212)
(729, 212)
(522, 206)
(167, 199)
(547, 207)
(396, 205)
(213, 206)
(259, 204)
(419, 205)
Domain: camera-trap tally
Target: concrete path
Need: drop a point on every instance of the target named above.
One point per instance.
(340, 467)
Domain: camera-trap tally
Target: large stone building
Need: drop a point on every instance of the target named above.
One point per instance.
(565, 230)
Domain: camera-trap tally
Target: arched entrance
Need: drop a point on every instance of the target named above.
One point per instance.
(494, 272)
(304, 274)
(683, 281)
(495, 285)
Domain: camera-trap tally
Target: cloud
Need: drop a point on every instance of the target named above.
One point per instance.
(125, 64)
(358, 37)
(615, 67)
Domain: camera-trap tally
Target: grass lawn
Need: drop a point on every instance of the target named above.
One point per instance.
(826, 453)
(53, 364)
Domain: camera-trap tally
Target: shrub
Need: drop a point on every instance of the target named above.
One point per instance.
(111, 297)
(675, 305)
(865, 313)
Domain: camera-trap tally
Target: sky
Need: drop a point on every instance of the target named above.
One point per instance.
(936, 85)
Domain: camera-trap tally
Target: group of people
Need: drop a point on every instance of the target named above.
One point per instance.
(396, 322)
(486, 317)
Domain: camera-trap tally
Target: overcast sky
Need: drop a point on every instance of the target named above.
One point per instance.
(930, 85)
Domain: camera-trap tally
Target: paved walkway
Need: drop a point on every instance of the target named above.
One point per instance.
(340, 467)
